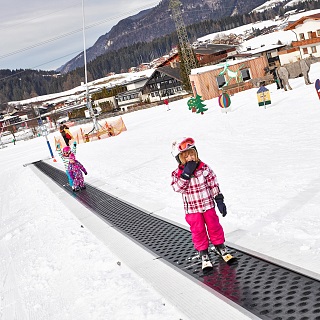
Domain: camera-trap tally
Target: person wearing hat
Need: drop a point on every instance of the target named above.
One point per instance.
(64, 155)
(75, 169)
(200, 191)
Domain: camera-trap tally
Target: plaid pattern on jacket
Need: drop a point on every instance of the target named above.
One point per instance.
(197, 193)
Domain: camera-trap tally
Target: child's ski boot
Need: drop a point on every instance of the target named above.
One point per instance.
(222, 251)
(206, 263)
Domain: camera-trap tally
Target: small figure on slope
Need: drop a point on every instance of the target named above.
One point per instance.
(75, 169)
(199, 187)
(166, 102)
(64, 155)
(66, 134)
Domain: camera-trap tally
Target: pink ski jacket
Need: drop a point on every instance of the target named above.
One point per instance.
(197, 193)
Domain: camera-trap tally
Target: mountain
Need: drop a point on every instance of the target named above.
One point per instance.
(157, 22)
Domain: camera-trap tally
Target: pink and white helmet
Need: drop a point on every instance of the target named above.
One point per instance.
(66, 151)
(181, 145)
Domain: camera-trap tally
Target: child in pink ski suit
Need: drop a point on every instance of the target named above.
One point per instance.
(199, 187)
(75, 169)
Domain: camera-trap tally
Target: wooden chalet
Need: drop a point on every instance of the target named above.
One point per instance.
(210, 81)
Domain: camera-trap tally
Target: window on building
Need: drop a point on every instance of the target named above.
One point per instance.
(305, 50)
(313, 49)
(318, 33)
(245, 74)
(221, 81)
(309, 34)
(301, 36)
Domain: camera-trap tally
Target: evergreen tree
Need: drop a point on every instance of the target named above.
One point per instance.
(196, 105)
(200, 106)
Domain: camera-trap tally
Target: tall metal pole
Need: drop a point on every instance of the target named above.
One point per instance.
(186, 50)
(44, 131)
(88, 101)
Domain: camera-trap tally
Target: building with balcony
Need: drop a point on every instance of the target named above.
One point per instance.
(307, 32)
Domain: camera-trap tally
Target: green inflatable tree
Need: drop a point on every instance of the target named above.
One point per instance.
(200, 106)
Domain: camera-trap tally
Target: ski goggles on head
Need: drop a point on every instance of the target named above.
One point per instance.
(66, 153)
(186, 144)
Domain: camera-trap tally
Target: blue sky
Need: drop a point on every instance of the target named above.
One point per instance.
(44, 35)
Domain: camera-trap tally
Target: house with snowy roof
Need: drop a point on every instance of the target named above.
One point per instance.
(307, 43)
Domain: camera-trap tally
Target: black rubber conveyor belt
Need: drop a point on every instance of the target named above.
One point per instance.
(267, 290)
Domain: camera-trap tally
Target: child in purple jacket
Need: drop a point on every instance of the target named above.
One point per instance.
(75, 169)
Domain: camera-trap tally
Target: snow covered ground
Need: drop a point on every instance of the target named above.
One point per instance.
(267, 161)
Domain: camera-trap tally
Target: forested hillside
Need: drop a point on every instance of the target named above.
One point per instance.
(157, 22)
(22, 84)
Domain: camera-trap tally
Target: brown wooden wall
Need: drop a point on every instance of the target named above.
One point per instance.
(206, 86)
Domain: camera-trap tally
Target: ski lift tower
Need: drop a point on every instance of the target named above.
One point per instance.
(186, 50)
(88, 101)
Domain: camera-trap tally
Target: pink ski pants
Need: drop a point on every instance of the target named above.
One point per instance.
(202, 225)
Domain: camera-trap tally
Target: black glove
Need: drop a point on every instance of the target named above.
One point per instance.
(220, 204)
(188, 170)
(85, 173)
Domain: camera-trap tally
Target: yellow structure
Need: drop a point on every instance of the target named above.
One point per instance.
(263, 95)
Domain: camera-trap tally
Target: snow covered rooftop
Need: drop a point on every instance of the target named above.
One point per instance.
(109, 81)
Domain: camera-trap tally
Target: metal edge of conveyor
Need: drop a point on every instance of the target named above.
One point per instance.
(286, 265)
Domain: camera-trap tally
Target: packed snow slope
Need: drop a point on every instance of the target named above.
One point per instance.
(267, 161)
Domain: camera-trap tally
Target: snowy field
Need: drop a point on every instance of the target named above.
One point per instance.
(267, 162)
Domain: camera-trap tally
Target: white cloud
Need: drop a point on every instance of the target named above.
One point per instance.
(40, 22)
